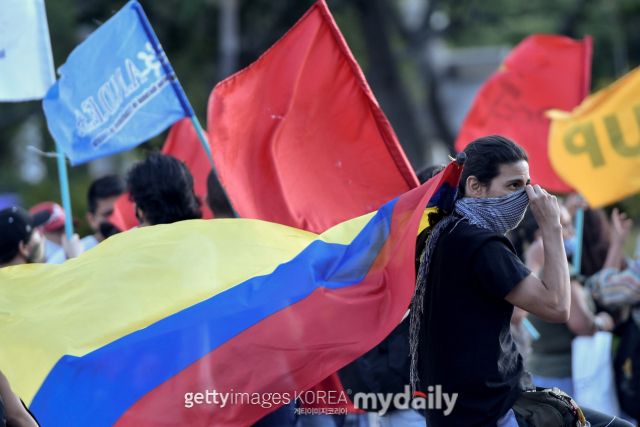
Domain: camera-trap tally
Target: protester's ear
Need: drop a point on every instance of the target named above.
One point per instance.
(24, 249)
(473, 188)
(141, 217)
(91, 221)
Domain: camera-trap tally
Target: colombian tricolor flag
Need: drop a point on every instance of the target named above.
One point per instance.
(119, 336)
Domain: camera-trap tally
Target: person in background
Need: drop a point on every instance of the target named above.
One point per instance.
(428, 172)
(618, 288)
(101, 198)
(20, 243)
(161, 188)
(551, 357)
(216, 198)
(54, 232)
(523, 236)
(615, 287)
(20, 239)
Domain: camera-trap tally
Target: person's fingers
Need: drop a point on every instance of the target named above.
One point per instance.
(615, 218)
(530, 191)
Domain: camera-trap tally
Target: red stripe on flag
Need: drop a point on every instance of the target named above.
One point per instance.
(296, 347)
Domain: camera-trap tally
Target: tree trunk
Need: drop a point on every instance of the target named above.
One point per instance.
(385, 82)
(229, 38)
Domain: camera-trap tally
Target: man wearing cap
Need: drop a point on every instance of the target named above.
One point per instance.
(53, 230)
(20, 241)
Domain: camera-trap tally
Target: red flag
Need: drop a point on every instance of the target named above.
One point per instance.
(543, 72)
(183, 143)
(124, 214)
(299, 139)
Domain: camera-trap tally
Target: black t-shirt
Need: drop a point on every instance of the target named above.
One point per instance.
(465, 339)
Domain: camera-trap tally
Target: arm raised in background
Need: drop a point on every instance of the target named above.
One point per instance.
(549, 297)
(620, 228)
(581, 320)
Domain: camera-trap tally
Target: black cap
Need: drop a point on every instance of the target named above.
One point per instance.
(16, 225)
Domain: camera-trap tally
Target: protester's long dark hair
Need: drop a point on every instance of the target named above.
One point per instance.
(595, 241)
(162, 187)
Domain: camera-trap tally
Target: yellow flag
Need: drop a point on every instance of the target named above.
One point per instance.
(596, 148)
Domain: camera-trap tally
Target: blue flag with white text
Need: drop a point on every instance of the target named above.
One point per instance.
(114, 92)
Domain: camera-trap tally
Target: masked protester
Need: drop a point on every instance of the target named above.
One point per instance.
(20, 241)
(469, 280)
(101, 198)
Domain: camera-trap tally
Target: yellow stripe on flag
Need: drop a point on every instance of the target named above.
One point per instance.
(131, 281)
(596, 148)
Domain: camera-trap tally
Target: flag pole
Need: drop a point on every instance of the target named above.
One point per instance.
(203, 140)
(64, 189)
(182, 97)
(579, 228)
(62, 165)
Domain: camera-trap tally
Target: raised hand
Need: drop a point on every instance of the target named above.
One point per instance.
(544, 207)
(620, 227)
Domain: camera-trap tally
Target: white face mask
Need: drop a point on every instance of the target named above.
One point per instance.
(37, 243)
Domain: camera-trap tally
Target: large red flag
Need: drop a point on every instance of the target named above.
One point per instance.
(183, 143)
(543, 72)
(299, 139)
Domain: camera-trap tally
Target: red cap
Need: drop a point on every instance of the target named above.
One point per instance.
(58, 216)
